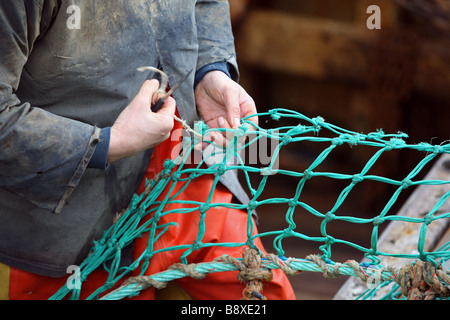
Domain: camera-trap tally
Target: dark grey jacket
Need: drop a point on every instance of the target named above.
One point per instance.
(59, 84)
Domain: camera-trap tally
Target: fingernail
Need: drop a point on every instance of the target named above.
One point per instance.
(210, 137)
(237, 122)
(221, 121)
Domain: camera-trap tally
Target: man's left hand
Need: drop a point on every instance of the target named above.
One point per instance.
(222, 103)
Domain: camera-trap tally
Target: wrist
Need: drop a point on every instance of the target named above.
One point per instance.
(99, 159)
(216, 66)
(118, 147)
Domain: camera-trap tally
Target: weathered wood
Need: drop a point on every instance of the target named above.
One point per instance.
(402, 237)
(294, 44)
(326, 49)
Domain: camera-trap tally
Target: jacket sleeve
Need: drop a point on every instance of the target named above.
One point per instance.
(42, 155)
(214, 33)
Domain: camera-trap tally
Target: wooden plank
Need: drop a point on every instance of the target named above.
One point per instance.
(294, 44)
(402, 237)
(342, 10)
(326, 49)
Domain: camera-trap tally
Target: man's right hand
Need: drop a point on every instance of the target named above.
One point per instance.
(138, 128)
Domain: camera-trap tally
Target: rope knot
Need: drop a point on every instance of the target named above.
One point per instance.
(406, 183)
(203, 208)
(253, 275)
(188, 269)
(292, 203)
(286, 140)
(176, 177)
(378, 221)
(317, 123)
(330, 217)
(274, 114)
(221, 169)
(197, 245)
(394, 143)
(337, 142)
(287, 233)
(307, 174)
(357, 178)
(252, 205)
(421, 281)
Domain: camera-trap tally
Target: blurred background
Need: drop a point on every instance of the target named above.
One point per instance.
(318, 57)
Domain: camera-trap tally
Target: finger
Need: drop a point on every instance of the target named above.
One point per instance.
(248, 109)
(147, 90)
(149, 87)
(222, 138)
(233, 108)
(216, 137)
(168, 108)
(206, 141)
(222, 123)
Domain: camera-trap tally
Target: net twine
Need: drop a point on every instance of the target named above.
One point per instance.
(130, 225)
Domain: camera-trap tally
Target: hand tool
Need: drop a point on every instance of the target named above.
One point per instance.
(158, 104)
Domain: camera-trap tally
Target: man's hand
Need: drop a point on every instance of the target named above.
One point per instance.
(138, 128)
(222, 102)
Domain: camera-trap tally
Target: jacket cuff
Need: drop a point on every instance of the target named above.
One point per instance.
(219, 66)
(99, 159)
(82, 166)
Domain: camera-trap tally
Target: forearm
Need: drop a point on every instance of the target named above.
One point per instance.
(42, 156)
(215, 37)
